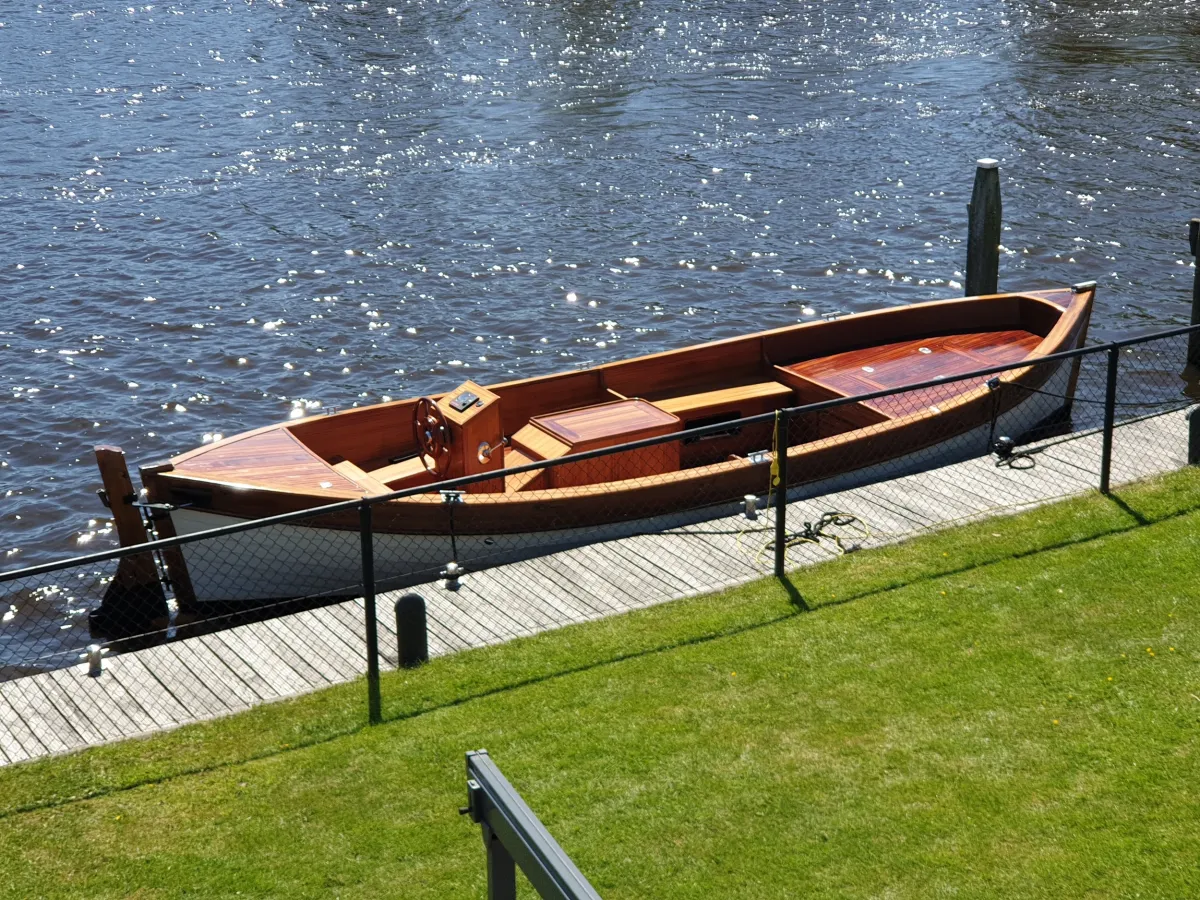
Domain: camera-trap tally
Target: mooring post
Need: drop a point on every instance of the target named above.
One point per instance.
(134, 602)
(983, 230)
(1194, 337)
(1193, 419)
(412, 634)
(95, 660)
(781, 478)
(374, 706)
(1110, 415)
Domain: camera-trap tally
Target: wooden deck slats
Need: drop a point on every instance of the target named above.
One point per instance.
(244, 647)
(215, 674)
(263, 683)
(43, 726)
(312, 651)
(19, 739)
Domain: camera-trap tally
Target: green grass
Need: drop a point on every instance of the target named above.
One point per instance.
(1010, 708)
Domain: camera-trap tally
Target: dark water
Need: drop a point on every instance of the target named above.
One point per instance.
(217, 215)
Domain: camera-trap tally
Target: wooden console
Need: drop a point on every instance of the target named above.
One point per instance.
(476, 443)
(594, 427)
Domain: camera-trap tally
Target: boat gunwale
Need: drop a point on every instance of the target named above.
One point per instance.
(1064, 329)
(783, 330)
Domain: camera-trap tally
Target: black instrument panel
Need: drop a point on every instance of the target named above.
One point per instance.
(464, 401)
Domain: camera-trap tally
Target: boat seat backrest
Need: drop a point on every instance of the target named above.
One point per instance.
(671, 374)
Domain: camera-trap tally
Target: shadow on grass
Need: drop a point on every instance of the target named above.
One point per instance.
(794, 596)
(1138, 517)
(800, 606)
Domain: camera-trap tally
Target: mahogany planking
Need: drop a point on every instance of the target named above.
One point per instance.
(894, 365)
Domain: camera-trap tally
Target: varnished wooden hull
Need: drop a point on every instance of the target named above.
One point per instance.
(413, 535)
(286, 561)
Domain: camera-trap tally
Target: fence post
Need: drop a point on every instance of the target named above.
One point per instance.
(1193, 356)
(1110, 410)
(374, 711)
(983, 230)
(501, 870)
(412, 634)
(781, 448)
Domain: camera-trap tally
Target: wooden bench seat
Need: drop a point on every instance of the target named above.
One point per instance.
(404, 474)
(532, 480)
(370, 485)
(754, 397)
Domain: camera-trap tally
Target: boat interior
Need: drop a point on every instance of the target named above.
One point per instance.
(476, 429)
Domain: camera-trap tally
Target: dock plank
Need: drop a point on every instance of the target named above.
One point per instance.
(238, 693)
(634, 583)
(604, 590)
(189, 689)
(17, 730)
(505, 604)
(577, 587)
(40, 717)
(86, 731)
(267, 689)
(11, 750)
(257, 656)
(105, 702)
(149, 692)
(308, 638)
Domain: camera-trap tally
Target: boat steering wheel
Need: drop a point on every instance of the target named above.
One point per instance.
(432, 436)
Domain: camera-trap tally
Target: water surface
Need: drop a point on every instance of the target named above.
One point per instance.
(218, 215)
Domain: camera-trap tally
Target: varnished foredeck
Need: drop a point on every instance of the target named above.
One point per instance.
(273, 458)
(894, 365)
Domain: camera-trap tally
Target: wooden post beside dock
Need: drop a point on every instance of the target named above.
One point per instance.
(134, 602)
(983, 230)
(1194, 338)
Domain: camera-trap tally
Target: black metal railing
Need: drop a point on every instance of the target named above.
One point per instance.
(331, 565)
(514, 836)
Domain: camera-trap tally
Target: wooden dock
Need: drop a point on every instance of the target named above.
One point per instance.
(224, 672)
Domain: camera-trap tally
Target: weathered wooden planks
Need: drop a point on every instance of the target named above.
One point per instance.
(223, 672)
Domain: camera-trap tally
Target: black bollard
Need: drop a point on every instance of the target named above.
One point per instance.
(983, 230)
(1193, 419)
(412, 638)
(1194, 337)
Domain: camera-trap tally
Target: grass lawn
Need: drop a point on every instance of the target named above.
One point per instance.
(1008, 709)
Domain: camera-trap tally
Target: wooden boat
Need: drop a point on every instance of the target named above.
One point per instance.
(473, 429)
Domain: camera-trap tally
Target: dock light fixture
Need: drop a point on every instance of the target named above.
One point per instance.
(751, 502)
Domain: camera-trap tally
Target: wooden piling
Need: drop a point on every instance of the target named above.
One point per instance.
(1194, 337)
(983, 230)
(134, 602)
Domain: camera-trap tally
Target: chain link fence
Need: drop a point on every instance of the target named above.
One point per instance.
(192, 626)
